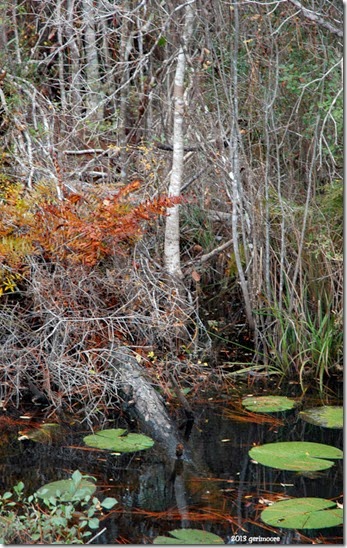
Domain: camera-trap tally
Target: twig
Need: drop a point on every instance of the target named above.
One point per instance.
(86, 151)
(163, 146)
(180, 396)
(96, 536)
(211, 254)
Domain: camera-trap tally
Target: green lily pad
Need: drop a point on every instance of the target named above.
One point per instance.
(296, 455)
(268, 404)
(189, 536)
(76, 488)
(117, 439)
(303, 513)
(329, 416)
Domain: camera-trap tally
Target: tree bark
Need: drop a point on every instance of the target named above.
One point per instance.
(309, 14)
(93, 99)
(237, 202)
(147, 405)
(75, 79)
(172, 228)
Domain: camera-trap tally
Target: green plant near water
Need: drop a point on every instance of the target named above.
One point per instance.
(64, 512)
(306, 344)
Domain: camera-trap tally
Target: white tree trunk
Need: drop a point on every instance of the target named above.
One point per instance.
(172, 228)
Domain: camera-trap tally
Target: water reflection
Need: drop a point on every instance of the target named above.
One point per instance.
(217, 487)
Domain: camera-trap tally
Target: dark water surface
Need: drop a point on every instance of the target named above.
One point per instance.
(224, 492)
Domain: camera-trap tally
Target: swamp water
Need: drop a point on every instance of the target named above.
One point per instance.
(224, 493)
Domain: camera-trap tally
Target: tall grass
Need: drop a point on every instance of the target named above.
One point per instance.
(305, 345)
(300, 319)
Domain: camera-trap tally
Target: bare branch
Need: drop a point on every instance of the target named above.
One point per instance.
(211, 254)
(316, 18)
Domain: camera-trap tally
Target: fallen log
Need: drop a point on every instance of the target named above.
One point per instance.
(146, 404)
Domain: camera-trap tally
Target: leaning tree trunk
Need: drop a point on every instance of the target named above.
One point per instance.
(147, 406)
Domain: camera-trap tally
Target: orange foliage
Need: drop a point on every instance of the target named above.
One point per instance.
(80, 229)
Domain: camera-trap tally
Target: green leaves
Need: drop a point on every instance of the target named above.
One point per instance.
(161, 41)
(189, 536)
(303, 513)
(67, 514)
(108, 503)
(268, 404)
(115, 439)
(76, 488)
(328, 416)
(299, 456)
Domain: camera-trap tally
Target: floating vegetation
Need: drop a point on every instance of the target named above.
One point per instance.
(119, 440)
(268, 404)
(303, 513)
(329, 416)
(296, 455)
(189, 536)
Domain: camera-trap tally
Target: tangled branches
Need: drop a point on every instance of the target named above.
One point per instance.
(57, 343)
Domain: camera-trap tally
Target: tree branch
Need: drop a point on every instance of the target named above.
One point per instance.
(211, 254)
(316, 19)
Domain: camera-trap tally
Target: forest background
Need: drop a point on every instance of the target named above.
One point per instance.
(160, 159)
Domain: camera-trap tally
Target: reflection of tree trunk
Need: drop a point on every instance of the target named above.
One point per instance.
(184, 460)
(180, 493)
(241, 490)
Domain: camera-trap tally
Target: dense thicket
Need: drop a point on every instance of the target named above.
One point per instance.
(87, 108)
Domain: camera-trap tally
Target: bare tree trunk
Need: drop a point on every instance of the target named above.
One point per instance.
(61, 56)
(75, 98)
(126, 45)
(172, 228)
(4, 23)
(94, 96)
(237, 207)
(16, 34)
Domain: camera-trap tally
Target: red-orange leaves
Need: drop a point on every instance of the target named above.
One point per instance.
(80, 229)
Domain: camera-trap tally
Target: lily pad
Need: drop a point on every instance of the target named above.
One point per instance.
(76, 488)
(329, 416)
(189, 536)
(117, 439)
(303, 513)
(296, 455)
(268, 404)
